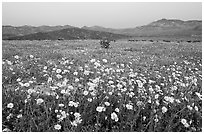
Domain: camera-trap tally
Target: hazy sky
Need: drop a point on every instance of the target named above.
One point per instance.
(112, 15)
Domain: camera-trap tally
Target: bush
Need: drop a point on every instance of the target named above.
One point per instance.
(105, 43)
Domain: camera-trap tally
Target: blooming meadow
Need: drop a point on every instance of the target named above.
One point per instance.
(100, 92)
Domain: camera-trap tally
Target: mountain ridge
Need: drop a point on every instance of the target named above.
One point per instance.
(163, 27)
(159, 27)
(69, 34)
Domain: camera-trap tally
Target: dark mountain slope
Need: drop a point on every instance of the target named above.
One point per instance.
(11, 31)
(69, 34)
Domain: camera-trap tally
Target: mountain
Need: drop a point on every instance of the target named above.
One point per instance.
(163, 27)
(11, 31)
(69, 34)
(160, 28)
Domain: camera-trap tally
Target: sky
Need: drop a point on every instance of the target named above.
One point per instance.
(107, 14)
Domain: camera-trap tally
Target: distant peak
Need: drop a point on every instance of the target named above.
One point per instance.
(84, 27)
(98, 26)
(163, 19)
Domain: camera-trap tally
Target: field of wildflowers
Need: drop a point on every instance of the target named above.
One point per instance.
(76, 86)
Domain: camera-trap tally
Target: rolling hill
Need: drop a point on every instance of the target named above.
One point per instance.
(69, 34)
(11, 31)
(160, 28)
(163, 27)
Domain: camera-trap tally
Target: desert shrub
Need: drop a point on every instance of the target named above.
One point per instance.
(105, 43)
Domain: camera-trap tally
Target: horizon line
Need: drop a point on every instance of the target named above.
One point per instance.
(94, 25)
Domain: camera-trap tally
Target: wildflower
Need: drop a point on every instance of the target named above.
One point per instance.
(39, 101)
(124, 89)
(9, 62)
(93, 93)
(177, 100)
(27, 84)
(196, 108)
(139, 103)
(16, 57)
(86, 72)
(97, 64)
(77, 119)
(30, 81)
(77, 115)
(58, 71)
(144, 118)
(110, 82)
(89, 99)
(140, 84)
(76, 122)
(64, 115)
(107, 103)
(169, 99)
(156, 96)
(151, 89)
(70, 87)
(30, 91)
(76, 104)
(63, 91)
(9, 116)
(76, 80)
(114, 116)
(199, 95)
(183, 121)
(156, 120)
(81, 68)
(10, 105)
(151, 81)
(117, 110)
(128, 106)
(122, 65)
(58, 127)
(19, 116)
(49, 80)
(186, 125)
(110, 93)
(61, 105)
(6, 130)
(59, 76)
(100, 109)
(189, 107)
(164, 109)
(85, 93)
(45, 67)
(31, 56)
(132, 74)
(58, 116)
(92, 60)
(106, 117)
(157, 102)
(174, 88)
(104, 60)
(75, 73)
(71, 103)
(18, 79)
